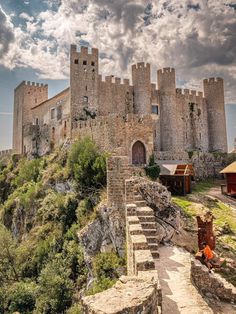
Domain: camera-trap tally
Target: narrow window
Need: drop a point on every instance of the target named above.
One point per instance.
(59, 113)
(53, 113)
(84, 62)
(93, 63)
(86, 88)
(76, 61)
(35, 100)
(37, 121)
(155, 109)
(200, 136)
(85, 99)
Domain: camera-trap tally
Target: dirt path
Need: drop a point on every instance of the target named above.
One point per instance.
(179, 295)
(216, 193)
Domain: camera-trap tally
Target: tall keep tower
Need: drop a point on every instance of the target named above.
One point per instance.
(141, 74)
(214, 94)
(83, 82)
(26, 96)
(169, 111)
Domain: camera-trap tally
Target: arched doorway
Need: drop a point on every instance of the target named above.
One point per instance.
(138, 153)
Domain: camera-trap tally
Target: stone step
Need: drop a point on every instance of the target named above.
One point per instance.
(140, 203)
(151, 239)
(144, 211)
(153, 247)
(149, 225)
(138, 197)
(150, 232)
(132, 220)
(155, 254)
(135, 229)
(147, 219)
(139, 242)
(143, 260)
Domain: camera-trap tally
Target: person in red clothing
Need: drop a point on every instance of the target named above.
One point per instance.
(208, 255)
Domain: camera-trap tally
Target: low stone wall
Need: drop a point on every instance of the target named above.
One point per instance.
(128, 295)
(6, 152)
(212, 285)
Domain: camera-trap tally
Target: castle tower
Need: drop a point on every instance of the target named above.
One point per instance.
(26, 96)
(214, 94)
(84, 69)
(142, 88)
(170, 132)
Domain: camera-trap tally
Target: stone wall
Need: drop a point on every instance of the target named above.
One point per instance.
(117, 134)
(5, 154)
(211, 285)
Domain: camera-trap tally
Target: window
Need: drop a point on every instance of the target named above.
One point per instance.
(59, 113)
(93, 63)
(85, 99)
(84, 62)
(36, 121)
(76, 61)
(35, 100)
(53, 113)
(154, 109)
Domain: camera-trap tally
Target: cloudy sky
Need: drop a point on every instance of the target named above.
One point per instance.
(197, 37)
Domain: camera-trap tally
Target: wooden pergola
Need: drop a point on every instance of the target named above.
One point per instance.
(177, 178)
(230, 174)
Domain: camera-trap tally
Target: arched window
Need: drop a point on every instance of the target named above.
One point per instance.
(138, 153)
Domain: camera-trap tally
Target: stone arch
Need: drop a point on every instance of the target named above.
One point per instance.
(138, 153)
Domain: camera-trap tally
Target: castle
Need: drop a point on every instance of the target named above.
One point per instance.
(126, 119)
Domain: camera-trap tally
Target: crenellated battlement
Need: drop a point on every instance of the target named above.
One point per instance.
(141, 65)
(188, 92)
(85, 50)
(166, 70)
(111, 79)
(213, 80)
(5, 152)
(32, 84)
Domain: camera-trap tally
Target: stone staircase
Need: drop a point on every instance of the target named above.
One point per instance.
(147, 221)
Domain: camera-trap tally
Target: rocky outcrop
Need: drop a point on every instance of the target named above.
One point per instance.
(105, 233)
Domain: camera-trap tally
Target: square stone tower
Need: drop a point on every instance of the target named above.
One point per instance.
(26, 96)
(83, 83)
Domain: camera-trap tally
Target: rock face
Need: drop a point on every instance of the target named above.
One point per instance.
(168, 216)
(105, 233)
(129, 295)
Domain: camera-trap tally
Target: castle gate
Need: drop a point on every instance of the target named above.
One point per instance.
(138, 153)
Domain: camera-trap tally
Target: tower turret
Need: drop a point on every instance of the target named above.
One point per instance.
(169, 112)
(141, 76)
(26, 96)
(214, 94)
(83, 82)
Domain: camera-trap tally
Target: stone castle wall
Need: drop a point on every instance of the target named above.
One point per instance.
(117, 134)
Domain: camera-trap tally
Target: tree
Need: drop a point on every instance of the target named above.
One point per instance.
(55, 288)
(9, 268)
(87, 164)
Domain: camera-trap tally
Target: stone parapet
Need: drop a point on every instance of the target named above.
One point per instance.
(129, 295)
(211, 284)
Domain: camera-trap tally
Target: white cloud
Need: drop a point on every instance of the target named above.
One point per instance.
(196, 37)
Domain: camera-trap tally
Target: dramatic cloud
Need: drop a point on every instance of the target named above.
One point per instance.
(6, 33)
(198, 38)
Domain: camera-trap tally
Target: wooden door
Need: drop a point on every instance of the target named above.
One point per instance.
(138, 153)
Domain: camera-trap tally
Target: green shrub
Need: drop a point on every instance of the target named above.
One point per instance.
(21, 297)
(55, 288)
(87, 165)
(75, 309)
(106, 264)
(29, 170)
(153, 169)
